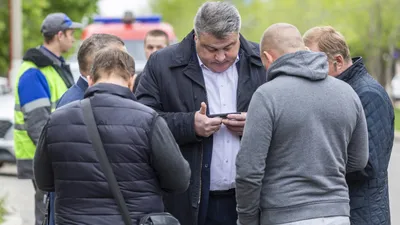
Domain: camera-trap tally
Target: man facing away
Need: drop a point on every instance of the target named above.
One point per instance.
(41, 81)
(369, 191)
(154, 41)
(139, 145)
(304, 131)
(216, 69)
(86, 53)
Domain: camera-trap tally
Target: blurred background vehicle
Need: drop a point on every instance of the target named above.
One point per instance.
(395, 85)
(6, 123)
(132, 30)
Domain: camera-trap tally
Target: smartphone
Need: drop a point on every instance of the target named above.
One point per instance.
(222, 115)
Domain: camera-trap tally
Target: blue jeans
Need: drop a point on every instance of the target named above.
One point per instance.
(51, 210)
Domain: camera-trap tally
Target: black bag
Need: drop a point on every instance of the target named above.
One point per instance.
(150, 219)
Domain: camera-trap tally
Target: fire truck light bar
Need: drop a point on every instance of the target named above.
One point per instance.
(140, 19)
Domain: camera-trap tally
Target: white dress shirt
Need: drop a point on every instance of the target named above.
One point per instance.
(221, 94)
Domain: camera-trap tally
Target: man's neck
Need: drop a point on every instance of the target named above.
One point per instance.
(55, 50)
(347, 65)
(112, 80)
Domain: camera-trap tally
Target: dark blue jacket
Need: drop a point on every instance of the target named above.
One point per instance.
(172, 83)
(369, 195)
(83, 196)
(76, 92)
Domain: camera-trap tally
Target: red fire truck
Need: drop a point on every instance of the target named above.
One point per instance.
(132, 30)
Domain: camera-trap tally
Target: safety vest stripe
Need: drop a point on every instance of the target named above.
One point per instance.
(19, 126)
(17, 107)
(38, 103)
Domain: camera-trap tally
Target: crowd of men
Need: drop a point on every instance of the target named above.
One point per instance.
(217, 130)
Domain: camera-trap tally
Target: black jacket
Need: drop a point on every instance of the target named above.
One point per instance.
(137, 80)
(369, 193)
(172, 83)
(139, 145)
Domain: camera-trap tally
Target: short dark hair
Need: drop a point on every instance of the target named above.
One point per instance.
(93, 44)
(112, 61)
(49, 38)
(157, 33)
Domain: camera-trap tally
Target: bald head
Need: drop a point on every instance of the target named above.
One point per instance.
(282, 38)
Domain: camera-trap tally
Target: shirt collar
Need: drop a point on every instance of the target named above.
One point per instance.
(47, 50)
(84, 78)
(108, 88)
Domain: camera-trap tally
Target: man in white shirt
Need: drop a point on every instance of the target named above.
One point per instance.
(216, 69)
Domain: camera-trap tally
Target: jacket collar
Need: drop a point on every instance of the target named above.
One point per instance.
(354, 70)
(186, 48)
(82, 84)
(112, 89)
(37, 57)
(56, 60)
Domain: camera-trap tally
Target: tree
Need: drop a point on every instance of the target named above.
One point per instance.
(371, 27)
(179, 13)
(34, 11)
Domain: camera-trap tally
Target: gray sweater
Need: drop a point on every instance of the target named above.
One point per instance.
(304, 131)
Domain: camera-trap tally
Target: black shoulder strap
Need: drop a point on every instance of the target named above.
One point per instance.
(104, 162)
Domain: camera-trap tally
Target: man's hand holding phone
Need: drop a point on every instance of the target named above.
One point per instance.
(235, 122)
(205, 126)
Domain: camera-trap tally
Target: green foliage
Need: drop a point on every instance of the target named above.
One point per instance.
(179, 13)
(370, 26)
(34, 11)
(397, 119)
(4, 36)
(3, 211)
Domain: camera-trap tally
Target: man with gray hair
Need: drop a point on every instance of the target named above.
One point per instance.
(305, 130)
(213, 70)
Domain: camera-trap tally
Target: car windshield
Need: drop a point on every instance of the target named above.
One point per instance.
(134, 47)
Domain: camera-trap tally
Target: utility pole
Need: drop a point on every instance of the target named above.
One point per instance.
(16, 44)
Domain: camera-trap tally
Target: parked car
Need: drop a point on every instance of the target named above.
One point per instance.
(396, 87)
(6, 129)
(4, 88)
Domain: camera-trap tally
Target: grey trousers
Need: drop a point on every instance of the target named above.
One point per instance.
(336, 220)
(40, 206)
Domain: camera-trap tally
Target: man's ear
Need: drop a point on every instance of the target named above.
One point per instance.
(339, 62)
(269, 57)
(60, 34)
(90, 81)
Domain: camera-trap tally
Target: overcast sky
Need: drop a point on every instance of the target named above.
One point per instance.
(118, 7)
